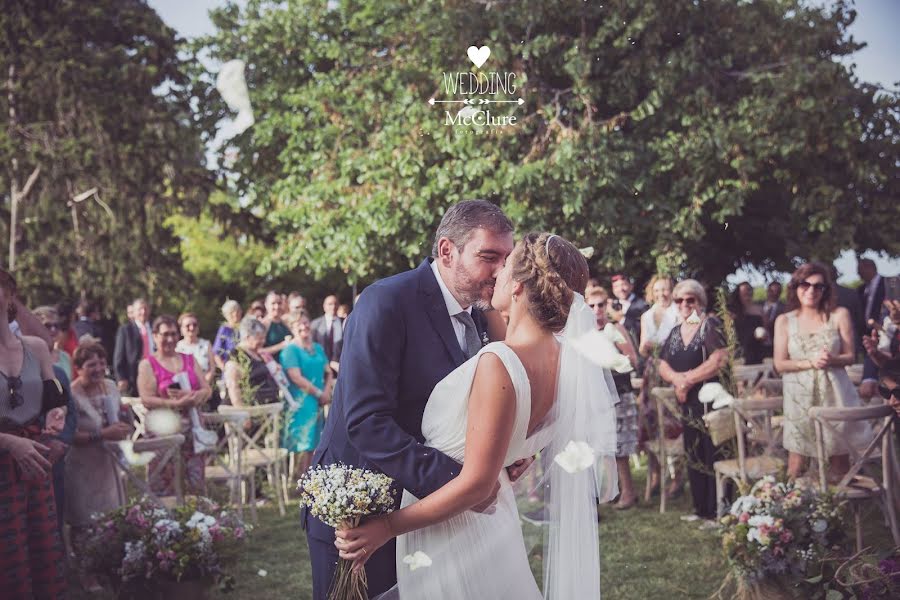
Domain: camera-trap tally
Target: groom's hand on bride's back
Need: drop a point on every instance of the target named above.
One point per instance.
(487, 505)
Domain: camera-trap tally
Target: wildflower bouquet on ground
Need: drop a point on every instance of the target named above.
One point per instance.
(778, 535)
(142, 545)
(341, 496)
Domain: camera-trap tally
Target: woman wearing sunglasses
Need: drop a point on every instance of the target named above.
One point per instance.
(50, 319)
(889, 383)
(692, 356)
(813, 344)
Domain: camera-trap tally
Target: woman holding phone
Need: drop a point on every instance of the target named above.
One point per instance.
(169, 379)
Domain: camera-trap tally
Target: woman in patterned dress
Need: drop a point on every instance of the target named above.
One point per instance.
(813, 345)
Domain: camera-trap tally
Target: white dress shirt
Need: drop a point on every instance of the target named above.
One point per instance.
(453, 308)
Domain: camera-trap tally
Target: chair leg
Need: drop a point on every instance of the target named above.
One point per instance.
(647, 484)
(857, 518)
(720, 493)
(253, 499)
(279, 488)
(663, 471)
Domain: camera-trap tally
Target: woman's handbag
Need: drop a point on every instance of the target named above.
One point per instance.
(720, 424)
(205, 440)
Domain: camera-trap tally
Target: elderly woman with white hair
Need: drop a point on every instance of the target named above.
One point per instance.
(249, 352)
(690, 357)
(227, 335)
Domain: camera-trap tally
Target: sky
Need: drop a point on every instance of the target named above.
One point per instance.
(879, 62)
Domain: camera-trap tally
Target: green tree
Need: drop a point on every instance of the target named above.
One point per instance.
(646, 128)
(101, 100)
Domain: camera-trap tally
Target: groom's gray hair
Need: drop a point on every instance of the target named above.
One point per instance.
(463, 218)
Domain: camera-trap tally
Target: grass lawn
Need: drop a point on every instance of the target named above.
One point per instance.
(645, 555)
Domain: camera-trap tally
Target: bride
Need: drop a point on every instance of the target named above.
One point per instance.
(536, 392)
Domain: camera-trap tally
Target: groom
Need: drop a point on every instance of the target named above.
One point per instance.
(406, 333)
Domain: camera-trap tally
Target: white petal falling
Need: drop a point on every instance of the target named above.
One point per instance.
(163, 421)
(417, 560)
(233, 87)
(598, 348)
(577, 456)
(137, 459)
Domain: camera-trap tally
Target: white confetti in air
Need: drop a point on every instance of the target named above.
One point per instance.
(233, 87)
(417, 560)
(262, 572)
(577, 456)
(759, 333)
(163, 421)
(137, 459)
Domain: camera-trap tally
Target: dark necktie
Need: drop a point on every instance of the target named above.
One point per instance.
(473, 343)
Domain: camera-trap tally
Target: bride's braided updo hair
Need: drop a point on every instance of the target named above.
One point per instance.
(552, 270)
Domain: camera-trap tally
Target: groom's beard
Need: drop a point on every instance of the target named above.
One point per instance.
(473, 292)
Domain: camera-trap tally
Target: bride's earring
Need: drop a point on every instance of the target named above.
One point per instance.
(514, 297)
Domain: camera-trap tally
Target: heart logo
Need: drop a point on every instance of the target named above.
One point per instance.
(478, 55)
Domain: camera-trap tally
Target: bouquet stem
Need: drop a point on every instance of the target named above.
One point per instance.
(348, 584)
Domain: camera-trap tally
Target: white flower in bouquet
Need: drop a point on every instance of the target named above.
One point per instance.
(759, 333)
(757, 520)
(820, 525)
(743, 504)
(577, 456)
(417, 560)
(163, 421)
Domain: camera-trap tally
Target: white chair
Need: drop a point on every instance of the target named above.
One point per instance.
(877, 484)
(167, 449)
(262, 449)
(139, 413)
(750, 414)
(662, 447)
(225, 462)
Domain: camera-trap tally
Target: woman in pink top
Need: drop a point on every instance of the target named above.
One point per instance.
(162, 379)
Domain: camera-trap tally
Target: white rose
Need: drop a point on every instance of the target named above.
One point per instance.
(820, 525)
(417, 560)
(577, 456)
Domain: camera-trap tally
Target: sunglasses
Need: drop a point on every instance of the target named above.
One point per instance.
(596, 304)
(817, 287)
(886, 392)
(689, 301)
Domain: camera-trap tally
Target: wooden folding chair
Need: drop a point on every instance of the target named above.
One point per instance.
(662, 447)
(855, 486)
(139, 413)
(747, 376)
(262, 449)
(750, 414)
(225, 463)
(167, 448)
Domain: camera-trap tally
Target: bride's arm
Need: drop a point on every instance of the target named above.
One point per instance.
(492, 413)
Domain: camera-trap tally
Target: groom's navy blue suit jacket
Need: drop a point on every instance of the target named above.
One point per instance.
(398, 344)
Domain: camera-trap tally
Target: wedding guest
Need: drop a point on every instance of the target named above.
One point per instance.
(159, 387)
(198, 347)
(889, 383)
(772, 307)
(656, 324)
(296, 303)
(249, 351)
(626, 409)
(691, 357)
(306, 366)
(50, 319)
(134, 343)
(277, 333)
(748, 324)
(32, 558)
(627, 306)
(883, 343)
(343, 311)
(813, 345)
(328, 332)
(871, 297)
(68, 339)
(87, 322)
(660, 318)
(258, 309)
(227, 335)
(92, 482)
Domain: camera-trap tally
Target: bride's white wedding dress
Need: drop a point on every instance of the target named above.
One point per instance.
(473, 555)
(477, 556)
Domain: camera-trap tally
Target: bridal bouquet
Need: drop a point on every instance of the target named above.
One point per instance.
(780, 532)
(341, 496)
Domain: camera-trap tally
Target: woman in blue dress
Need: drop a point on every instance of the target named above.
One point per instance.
(307, 370)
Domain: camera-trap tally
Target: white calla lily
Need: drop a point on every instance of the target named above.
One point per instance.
(417, 560)
(577, 456)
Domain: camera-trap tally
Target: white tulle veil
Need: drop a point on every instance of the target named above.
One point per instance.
(577, 467)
